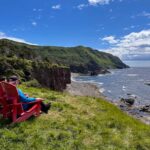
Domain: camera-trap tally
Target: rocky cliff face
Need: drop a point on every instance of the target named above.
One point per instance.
(55, 78)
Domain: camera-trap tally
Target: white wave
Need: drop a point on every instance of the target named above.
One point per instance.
(91, 81)
(133, 96)
(132, 75)
(100, 75)
(124, 88)
(102, 90)
(100, 83)
(73, 79)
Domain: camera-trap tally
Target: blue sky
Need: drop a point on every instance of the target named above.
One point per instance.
(121, 27)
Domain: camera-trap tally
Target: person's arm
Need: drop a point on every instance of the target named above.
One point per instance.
(23, 98)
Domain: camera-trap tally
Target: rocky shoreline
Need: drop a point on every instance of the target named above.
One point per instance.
(139, 112)
(88, 89)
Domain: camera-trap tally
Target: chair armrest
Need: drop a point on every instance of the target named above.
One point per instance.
(34, 102)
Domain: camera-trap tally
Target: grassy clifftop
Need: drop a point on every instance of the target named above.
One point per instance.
(79, 59)
(75, 123)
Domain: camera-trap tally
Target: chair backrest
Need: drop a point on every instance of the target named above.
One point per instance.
(5, 104)
(9, 99)
(11, 93)
(1, 89)
(2, 95)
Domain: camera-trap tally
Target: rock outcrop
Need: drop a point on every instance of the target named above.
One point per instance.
(145, 108)
(147, 83)
(128, 101)
(53, 77)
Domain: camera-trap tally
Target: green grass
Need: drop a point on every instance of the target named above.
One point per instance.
(75, 123)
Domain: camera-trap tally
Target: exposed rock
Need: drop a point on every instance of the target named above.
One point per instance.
(128, 101)
(55, 78)
(145, 108)
(94, 73)
(101, 71)
(147, 83)
(104, 71)
(131, 95)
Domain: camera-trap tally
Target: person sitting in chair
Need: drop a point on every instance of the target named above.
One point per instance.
(14, 80)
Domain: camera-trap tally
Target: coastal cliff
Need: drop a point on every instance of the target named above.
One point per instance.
(20, 59)
(79, 59)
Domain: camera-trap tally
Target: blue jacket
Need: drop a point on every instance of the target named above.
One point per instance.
(23, 98)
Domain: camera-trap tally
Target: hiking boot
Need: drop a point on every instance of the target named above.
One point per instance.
(46, 108)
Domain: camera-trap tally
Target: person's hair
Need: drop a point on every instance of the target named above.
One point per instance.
(13, 78)
(2, 78)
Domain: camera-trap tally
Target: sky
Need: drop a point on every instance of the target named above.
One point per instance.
(120, 27)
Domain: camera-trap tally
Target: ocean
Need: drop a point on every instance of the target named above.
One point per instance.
(138, 63)
(123, 83)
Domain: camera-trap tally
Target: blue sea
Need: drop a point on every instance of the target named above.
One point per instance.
(123, 83)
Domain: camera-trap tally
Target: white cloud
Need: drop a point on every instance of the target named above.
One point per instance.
(95, 3)
(81, 6)
(56, 7)
(110, 39)
(145, 14)
(135, 45)
(34, 9)
(4, 36)
(100, 2)
(131, 27)
(34, 23)
(40, 9)
(126, 28)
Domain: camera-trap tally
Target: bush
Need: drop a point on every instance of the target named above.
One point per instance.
(33, 83)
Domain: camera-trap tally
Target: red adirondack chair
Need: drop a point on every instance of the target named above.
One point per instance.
(11, 107)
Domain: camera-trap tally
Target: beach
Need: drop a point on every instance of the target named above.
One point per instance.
(83, 89)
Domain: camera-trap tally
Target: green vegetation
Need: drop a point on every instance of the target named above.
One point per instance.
(23, 68)
(14, 65)
(75, 123)
(79, 59)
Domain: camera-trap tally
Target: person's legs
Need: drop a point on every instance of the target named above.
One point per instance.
(45, 107)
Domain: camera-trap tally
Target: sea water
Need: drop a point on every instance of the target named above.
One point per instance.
(122, 83)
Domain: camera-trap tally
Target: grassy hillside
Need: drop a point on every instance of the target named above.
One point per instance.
(79, 59)
(75, 123)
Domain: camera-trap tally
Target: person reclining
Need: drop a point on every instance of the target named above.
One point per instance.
(14, 80)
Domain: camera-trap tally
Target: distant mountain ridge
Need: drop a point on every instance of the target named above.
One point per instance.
(80, 59)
